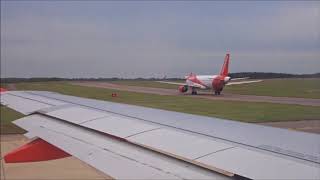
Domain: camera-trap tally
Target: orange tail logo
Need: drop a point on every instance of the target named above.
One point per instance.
(225, 67)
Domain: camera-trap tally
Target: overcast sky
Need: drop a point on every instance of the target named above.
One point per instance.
(153, 39)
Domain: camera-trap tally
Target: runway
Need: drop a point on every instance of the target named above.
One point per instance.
(205, 95)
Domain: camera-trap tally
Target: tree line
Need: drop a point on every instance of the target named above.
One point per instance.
(252, 75)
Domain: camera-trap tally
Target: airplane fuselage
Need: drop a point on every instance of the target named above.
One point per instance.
(205, 81)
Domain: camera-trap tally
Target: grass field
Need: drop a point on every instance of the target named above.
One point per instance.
(240, 111)
(304, 88)
(7, 115)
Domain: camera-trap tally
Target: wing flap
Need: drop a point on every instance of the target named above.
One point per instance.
(222, 157)
(106, 122)
(197, 149)
(256, 165)
(119, 159)
(76, 114)
(190, 146)
(120, 126)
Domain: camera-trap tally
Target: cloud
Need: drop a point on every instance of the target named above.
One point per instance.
(135, 40)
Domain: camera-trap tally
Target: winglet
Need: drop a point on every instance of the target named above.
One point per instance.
(225, 68)
(34, 151)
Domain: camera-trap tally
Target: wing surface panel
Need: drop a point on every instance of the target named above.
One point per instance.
(120, 126)
(116, 158)
(284, 142)
(221, 156)
(22, 105)
(257, 165)
(183, 144)
(38, 98)
(218, 155)
(106, 122)
(77, 114)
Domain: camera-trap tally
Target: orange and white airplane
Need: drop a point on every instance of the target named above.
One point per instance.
(215, 82)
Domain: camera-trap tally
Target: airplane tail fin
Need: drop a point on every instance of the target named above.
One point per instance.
(225, 68)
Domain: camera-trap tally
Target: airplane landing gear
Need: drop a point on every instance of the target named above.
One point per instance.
(217, 91)
(194, 91)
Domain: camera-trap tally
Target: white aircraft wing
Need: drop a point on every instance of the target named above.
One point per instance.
(237, 79)
(184, 84)
(133, 142)
(175, 83)
(243, 82)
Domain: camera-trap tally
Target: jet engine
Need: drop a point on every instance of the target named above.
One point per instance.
(183, 89)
